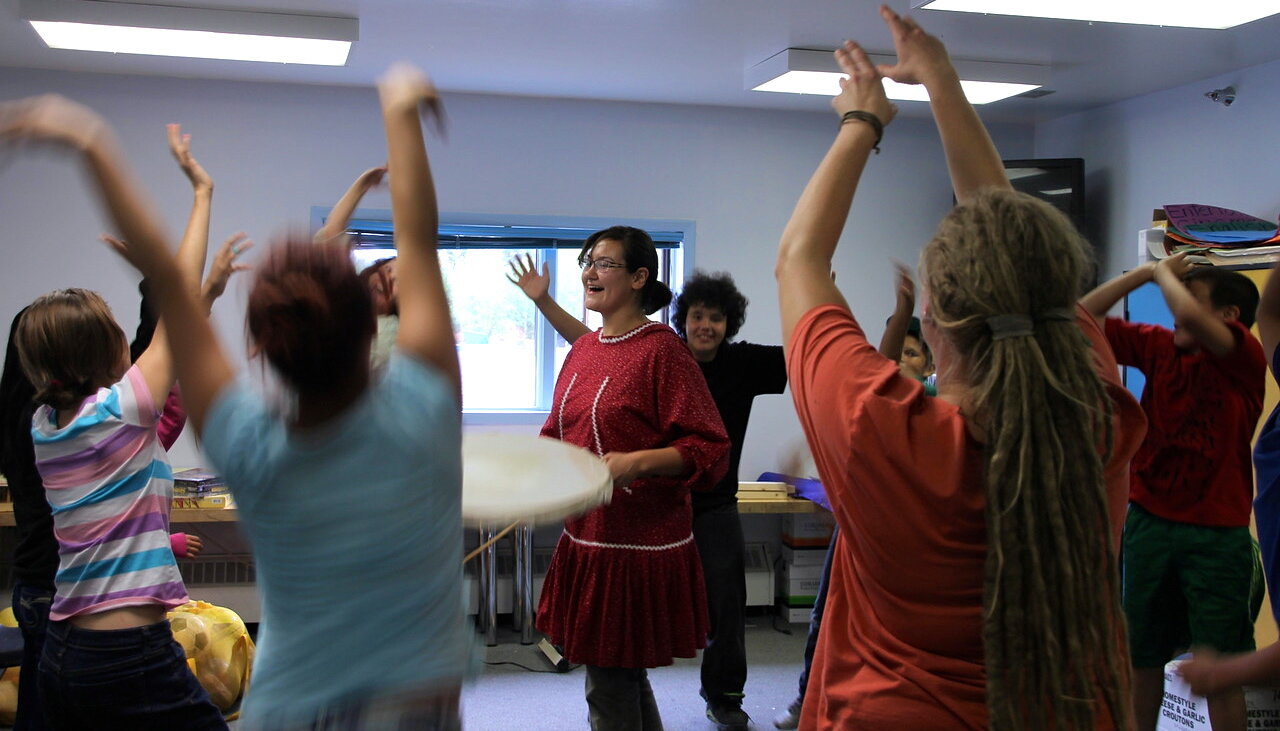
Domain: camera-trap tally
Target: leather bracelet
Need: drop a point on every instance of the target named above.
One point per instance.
(860, 116)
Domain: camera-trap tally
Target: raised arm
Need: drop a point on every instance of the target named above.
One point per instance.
(194, 246)
(803, 269)
(922, 59)
(1209, 330)
(155, 362)
(1269, 314)
(340, 216)
(537, 287)
(197, 356)
(895, 331)
(1105, 296)
(426, 330)
(53, 119)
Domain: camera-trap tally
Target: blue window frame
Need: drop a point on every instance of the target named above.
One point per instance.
(510, 356)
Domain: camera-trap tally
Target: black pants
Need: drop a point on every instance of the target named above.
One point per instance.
(718, 532)
(621, 699)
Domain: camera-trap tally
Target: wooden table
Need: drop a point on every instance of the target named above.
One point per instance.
(770, 505)
(775, 505)
(753, 506)
(181, 515)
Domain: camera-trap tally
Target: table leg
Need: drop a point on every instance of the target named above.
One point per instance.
(487, 577)
(522, 583)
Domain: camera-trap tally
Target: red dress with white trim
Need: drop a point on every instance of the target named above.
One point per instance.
(625, 587)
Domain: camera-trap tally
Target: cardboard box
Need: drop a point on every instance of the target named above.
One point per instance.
(804, 556)
(807, 530)
(799, 590)
(795, 615)
(791, 572)
(798, 595)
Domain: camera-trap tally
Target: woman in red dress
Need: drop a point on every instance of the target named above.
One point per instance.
(625, 590)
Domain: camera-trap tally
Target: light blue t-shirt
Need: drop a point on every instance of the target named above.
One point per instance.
(356, 529)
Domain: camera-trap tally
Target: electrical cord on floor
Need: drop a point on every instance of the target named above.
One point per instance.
(532, 670)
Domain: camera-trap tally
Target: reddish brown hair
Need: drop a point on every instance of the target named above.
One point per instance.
(70, 345)
(311, 315)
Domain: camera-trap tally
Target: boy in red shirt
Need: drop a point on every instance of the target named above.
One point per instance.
(1188, 555)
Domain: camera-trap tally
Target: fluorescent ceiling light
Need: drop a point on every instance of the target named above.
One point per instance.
(804, 71)
(158, 30)
(192, 43)
(1186, 13)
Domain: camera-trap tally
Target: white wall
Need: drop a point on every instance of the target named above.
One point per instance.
(277, 150)
(1174, 146)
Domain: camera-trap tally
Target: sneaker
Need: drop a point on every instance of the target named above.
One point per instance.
(789, 719)
(728, 716)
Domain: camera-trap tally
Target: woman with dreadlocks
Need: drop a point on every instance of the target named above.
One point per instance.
(975, 585)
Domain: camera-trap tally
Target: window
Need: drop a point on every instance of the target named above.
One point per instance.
(509, 355)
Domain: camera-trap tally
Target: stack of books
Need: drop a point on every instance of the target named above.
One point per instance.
(200, 488)
(1219, 235)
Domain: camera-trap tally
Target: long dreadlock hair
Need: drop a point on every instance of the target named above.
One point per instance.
(1053, 629)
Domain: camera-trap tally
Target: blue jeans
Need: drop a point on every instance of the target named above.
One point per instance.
(819, 608)
(31, 609)
(133, 678)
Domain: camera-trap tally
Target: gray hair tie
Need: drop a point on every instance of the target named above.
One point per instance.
(1018, 326)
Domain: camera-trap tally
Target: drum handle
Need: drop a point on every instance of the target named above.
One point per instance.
(490, 542)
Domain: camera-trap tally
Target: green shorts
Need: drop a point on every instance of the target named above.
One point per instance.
(1187, 585)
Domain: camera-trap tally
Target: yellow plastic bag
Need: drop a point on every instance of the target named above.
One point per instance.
(218, 648)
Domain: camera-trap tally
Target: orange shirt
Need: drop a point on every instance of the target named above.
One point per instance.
(901, 640)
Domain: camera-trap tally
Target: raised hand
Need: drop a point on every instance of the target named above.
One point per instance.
(906, 288)
(180, 146)
(335, 227)
(404, 87)
(372, 178)
(524, 274)
(922, 58)
(862, 90)
(1178, 265)
(224, 265)
(121, 248)
(50, 118)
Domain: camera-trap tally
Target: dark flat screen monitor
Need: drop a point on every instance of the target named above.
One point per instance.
(1056, 180)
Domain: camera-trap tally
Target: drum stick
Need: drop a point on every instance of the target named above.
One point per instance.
(490, 542)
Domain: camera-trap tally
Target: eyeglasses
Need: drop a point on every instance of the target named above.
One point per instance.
(601, 265)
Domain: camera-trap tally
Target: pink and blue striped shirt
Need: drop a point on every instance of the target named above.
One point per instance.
(108, 481)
